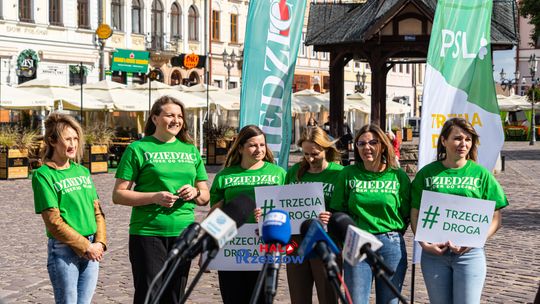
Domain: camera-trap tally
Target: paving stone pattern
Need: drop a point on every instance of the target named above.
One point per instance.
(512, 254)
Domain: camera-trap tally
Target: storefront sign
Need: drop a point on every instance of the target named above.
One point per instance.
(27, 63)
(188, 61)
(130, 61)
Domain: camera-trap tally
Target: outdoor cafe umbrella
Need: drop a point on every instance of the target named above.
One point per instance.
(116, 95)
(16, 98)
(159, 89)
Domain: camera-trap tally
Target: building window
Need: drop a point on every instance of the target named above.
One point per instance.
(55, 12)
(408, 68)
(136, 17)
(176, 21)
(218, 83)
(82, 14)
(357, 64)
(215, 25)
(233, 85)
(302, 50)
(157, 25)
(313, 52)
(25, 11)
(116, 15)
(193, 24)
(323, 55)
(234, 28)
(75, 75)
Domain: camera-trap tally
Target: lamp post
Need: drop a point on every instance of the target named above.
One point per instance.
(532, 69)
(360, 86)
(229, 60)
(507, 84)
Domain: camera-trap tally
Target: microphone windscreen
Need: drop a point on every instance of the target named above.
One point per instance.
(338, 224)
(313, 232)
(276, 228)
(239, 209)
(305, 226)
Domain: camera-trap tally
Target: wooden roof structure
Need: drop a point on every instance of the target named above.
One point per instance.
(384, 33)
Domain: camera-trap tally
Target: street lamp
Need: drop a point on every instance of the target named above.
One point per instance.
(532, 69)
(229, 60)
(507, 84)
(360, 86)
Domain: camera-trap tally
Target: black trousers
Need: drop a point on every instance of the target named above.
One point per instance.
(236, 287)
(147, 255)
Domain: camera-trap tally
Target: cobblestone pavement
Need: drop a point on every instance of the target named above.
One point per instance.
(512, 254)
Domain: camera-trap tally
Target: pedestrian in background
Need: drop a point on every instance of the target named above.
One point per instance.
(312, 122)
(170, 179)
(320, 164)
(65, 196)
(396, 142)
(455, 274)
(381, 209)
(249, 157)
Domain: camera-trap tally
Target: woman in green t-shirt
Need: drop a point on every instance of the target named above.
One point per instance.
(170, 179)
(375, 193)
(249, 164)
(455, 274)
(320, 164)
(66, 198)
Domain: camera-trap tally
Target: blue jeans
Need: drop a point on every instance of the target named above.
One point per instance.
(358, 278)
(73, 278)
(453, 278)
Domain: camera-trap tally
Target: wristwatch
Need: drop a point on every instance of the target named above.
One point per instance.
(198, 193)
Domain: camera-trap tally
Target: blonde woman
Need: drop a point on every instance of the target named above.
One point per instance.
(320, 164)
(66, 198)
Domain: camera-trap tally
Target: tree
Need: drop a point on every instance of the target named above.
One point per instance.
(531, 9)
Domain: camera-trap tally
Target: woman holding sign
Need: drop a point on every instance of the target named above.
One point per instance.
(455, 274)
(320, 164)
(162, 177)
(248, 160)
(375, 193)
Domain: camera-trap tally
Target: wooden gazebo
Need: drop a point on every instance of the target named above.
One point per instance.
(383, 33)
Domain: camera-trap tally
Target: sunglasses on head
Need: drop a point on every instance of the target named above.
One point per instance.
(362, 143)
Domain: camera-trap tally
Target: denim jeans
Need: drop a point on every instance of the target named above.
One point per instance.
(453, 278)
(358, 278)
(73, 278)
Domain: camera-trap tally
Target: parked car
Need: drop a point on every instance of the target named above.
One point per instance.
(414, 122)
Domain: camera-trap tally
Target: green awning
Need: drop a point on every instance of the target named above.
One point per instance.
(130, 61)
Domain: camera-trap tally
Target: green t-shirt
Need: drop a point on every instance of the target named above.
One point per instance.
(157, 166)
(328, 177)
(378, 202)
(70, 190)
(471, 180)
(235, 180)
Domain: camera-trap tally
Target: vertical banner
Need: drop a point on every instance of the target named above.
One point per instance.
(273, 34)
(459, 80)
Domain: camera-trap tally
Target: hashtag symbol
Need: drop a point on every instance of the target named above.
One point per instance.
(268, 205)
(430, 217)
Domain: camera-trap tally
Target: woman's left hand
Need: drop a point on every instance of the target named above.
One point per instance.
(187, 192)
(457, 249)
(95, 252)
(257, 213)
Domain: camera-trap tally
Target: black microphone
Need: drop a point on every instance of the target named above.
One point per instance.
(185, 239)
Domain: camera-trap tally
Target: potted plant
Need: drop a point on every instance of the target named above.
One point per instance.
(15, 145)
(397, 131)
(219, 141)
(96, 152)
(407, 133)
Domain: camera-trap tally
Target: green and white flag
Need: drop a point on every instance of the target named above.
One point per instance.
(273, 32)
(459, 79)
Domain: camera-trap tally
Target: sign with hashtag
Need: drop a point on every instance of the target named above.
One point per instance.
(301, 201)
(446, 217)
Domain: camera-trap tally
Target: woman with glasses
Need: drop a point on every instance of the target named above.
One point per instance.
(455, 274)
(375, 193)
(162, 177)
(320, 164)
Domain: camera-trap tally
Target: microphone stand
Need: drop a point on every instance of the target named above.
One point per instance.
(332, 269)
(380, 269)
(258, 284)
(211, 255)
(271, 279)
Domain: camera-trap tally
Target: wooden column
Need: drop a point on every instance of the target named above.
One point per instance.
(337, 63)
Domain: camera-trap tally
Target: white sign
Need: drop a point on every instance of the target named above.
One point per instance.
(231, 256)
(301, 201)
(445, 217)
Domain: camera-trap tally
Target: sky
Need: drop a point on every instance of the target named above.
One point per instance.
(505, 60)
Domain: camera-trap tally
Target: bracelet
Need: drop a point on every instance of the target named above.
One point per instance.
(198, 193)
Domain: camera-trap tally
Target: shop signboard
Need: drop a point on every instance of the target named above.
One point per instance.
(130, 61)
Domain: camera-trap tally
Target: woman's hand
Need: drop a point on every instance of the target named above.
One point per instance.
(95, 252)
(457, 249)
(165, 199)
(434, 248)
(258, 214)
(187, 192)
(325, 217)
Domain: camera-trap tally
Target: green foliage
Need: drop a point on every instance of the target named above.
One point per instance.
(13, 137)
(531, 9)
(536, 94)
(98, 134)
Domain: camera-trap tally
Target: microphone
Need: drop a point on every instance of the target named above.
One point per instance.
(357, 244)
(185, 239)
(276, 231)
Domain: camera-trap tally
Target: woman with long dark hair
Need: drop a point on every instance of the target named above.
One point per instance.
(162, 177)
(455, 274)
